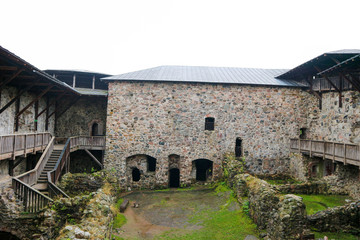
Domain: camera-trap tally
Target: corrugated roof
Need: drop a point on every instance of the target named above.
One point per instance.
(226, 75)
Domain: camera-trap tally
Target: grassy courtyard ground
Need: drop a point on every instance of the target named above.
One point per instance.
(192, 214)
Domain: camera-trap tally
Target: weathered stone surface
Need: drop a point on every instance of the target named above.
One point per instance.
(283, 217)
(79, 118)
(81, 182)
(343, 218)
(161, 119)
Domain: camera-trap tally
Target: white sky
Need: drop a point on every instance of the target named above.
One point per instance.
(120, 36)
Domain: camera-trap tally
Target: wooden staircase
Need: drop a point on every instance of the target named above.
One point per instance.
(42, 182)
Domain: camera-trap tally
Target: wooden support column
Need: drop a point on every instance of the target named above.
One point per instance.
(34, 100)
(94, 158)
(11, 167)
(35, 117)
(74, 80)
(17, 97)
(16, 119)
(47, 114)
(332, 84)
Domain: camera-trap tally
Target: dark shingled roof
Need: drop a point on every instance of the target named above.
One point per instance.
(224, 75)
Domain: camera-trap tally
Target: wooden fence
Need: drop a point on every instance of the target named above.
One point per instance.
(87, 142)
(342, 152)
(15, 145)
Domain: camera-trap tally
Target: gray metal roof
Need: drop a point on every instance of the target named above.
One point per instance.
(226, 75)
(345, 51)
(92, 92)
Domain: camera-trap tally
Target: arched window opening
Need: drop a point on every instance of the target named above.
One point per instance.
(174, 178)
(151, 164)
(203, 169)
(238, 150)
(210, 123)
(95, 129)
(136, 174)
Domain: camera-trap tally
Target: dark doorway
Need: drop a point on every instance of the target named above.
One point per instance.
(174, 178)
(238, 151)
(136, 175)
(151, 162)
(95, 129)
(8, 236)
(303, 133)
(203, 169)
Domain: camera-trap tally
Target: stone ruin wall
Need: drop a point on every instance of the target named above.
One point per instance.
(80, 117)
(162, 119)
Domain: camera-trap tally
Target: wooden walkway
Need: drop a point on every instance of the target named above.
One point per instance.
(342, 152)
(15, 145)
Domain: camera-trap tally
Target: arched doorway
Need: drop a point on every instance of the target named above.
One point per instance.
(174, 178)
(203, 169)
(95, 129)
(135, 174)
(8, 236)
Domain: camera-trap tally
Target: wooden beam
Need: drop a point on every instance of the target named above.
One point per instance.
(8, 68)
(36, 113)
(52, 103)
(12, 77)
(47, 114)
(18, 96)
(33, 101)
(312, 91)
(94, 158)
(324, 76)
(353, 83)
(18, 162)
(68, 107)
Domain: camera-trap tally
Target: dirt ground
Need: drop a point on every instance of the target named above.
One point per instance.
(161, 211)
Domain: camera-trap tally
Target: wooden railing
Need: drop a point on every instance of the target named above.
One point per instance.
(31, 176)
(342, 152)
(87, 142)
(63, 161)
(15, 145)
(33, 200)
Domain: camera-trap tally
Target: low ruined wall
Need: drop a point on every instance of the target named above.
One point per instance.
(318, 187)
(344, 218)
(283, 217)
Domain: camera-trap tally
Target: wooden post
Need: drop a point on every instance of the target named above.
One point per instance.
(333, 152)
(14, 147)
(299, 146)
(25, 145)
(34, 150)
(344, 153)
(310, 148)
(1, 145)
(324, 149)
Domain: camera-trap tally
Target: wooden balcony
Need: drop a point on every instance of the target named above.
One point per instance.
(342, 152)
(15, 145)
(87, 142)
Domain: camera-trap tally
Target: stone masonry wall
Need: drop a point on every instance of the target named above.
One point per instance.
(26, 120)
(80, 117)
(161, 119)
(337, 124)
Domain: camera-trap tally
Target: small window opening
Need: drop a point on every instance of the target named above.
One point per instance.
(95, 129)
(136, 175)
(303, 133)
(151, 162)
(209, 123)
(238, 151)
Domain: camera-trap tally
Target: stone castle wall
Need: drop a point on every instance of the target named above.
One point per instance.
(26, 120)
(334, 123)
(79, 118)
(162, 119)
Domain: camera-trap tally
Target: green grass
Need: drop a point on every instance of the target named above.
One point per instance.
(336, 236)
(119, 221)
(118, 203)
(220, 224)
(282, 181)
(315, 203)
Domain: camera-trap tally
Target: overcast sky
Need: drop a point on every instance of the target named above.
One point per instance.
(121, 36)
